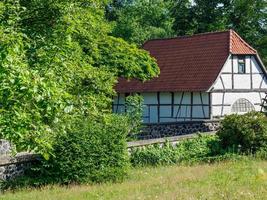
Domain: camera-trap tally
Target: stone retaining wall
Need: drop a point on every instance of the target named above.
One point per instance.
(172, 140)
(13, 166)
(161, 130)
(5, 147)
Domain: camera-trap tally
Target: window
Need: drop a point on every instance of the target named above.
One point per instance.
(242, 105)
(241, 66)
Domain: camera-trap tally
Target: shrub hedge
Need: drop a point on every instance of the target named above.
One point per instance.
(191, 150)
(238, 135)
(96, 151)
(246, 133)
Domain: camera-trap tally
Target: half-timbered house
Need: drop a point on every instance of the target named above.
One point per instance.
(203, 77)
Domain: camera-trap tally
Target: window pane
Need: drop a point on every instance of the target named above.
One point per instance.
(242, 105)
(241, 68)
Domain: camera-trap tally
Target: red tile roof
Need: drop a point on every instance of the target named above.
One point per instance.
(188, 63)
(238, 46)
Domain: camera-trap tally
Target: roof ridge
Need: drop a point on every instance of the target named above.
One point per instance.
(188, 36)
(241, 39)
(230, 41)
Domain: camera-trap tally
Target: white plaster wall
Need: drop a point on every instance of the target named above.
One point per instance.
(165, 111)
(247, 61)
(185, 109)
(241, 81)
(218, 85)
(223, 82)
(150, 98)
(165, 97)
(119, 99)
(186, 98)
(230, 98)
(259, 80)
(167, 114)
(227, 81)
(153, 114)
(235, 64)
(255, 65)
(197, 98)
(227, 66)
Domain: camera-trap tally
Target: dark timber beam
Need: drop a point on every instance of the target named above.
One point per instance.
(172, 104)
(180, 105)
(125, 97)
(240, 90)
(222, 82)
(210, 106)
(158, 107)
(201, 99)
(263, 77)
(118, 102)
(191, 108)
(250, 66)
(229, 73)
(222, 104)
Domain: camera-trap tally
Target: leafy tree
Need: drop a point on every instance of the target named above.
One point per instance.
(58, 63)
(247, 17)
(199, 16)
(134, 110)
(183, 22)
(140, 20)
(247, 132)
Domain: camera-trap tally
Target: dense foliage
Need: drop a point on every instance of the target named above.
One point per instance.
(91, 152)
(58, 63)
(238, 135)
(60, 60)
(140, 20)
(202, 148)
(247, 17)
(134, 112)
(247, 133)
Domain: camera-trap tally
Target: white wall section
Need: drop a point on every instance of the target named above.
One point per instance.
(231, 85)
(245, 90)
(170, 106)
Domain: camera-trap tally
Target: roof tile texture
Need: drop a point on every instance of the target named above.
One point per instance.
(238, 45)
(189, 63)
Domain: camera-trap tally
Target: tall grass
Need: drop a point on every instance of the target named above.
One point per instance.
(240, 179)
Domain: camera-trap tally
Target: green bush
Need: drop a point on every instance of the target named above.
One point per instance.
(134, 112)
(245, 133)
(95, 152)
(68, 70)
(191, 150)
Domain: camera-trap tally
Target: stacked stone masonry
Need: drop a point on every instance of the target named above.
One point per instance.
(5, 147)
(160, 130)
(14, 166)
(12, 171)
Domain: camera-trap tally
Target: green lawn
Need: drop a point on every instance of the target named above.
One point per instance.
(229, 180)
